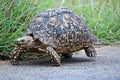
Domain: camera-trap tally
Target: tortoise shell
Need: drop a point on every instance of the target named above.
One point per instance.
(55, 32)
(60, 28)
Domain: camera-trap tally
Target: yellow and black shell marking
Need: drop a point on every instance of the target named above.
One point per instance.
(55, 32)
(61, 28)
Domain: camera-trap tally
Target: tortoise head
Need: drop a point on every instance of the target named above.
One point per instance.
(25, 41)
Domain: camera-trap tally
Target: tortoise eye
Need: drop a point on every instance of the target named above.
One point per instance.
(22, 40)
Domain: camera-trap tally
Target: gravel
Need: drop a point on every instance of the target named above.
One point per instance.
(105, 67)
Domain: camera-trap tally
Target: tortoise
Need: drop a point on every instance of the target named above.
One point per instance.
(56, 32)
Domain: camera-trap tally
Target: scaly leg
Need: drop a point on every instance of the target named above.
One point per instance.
(15, 55)
(55, 58)
(90, 51)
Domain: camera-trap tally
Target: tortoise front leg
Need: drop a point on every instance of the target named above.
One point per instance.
(15, 55)
(55, 58)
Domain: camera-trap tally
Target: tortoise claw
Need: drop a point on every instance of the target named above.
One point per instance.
(14, 62)
(91, 52)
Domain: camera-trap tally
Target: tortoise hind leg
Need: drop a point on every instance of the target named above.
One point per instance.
(90, 51)
(55, 58)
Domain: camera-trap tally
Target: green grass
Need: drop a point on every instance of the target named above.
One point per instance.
(102, 17)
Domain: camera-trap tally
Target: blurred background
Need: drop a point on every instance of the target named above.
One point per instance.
(101, 16)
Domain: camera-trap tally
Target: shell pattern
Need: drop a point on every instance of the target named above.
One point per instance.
(61, 28)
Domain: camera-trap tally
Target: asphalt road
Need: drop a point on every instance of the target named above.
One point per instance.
(105, 67)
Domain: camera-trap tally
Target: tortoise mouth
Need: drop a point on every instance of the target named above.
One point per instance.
(20, 44)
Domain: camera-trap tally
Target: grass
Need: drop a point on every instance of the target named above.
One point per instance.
(102, 17)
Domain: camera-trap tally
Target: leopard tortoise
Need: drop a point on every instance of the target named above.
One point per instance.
(56, 32)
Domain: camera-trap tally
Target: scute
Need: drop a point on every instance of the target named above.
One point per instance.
(61, 28)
